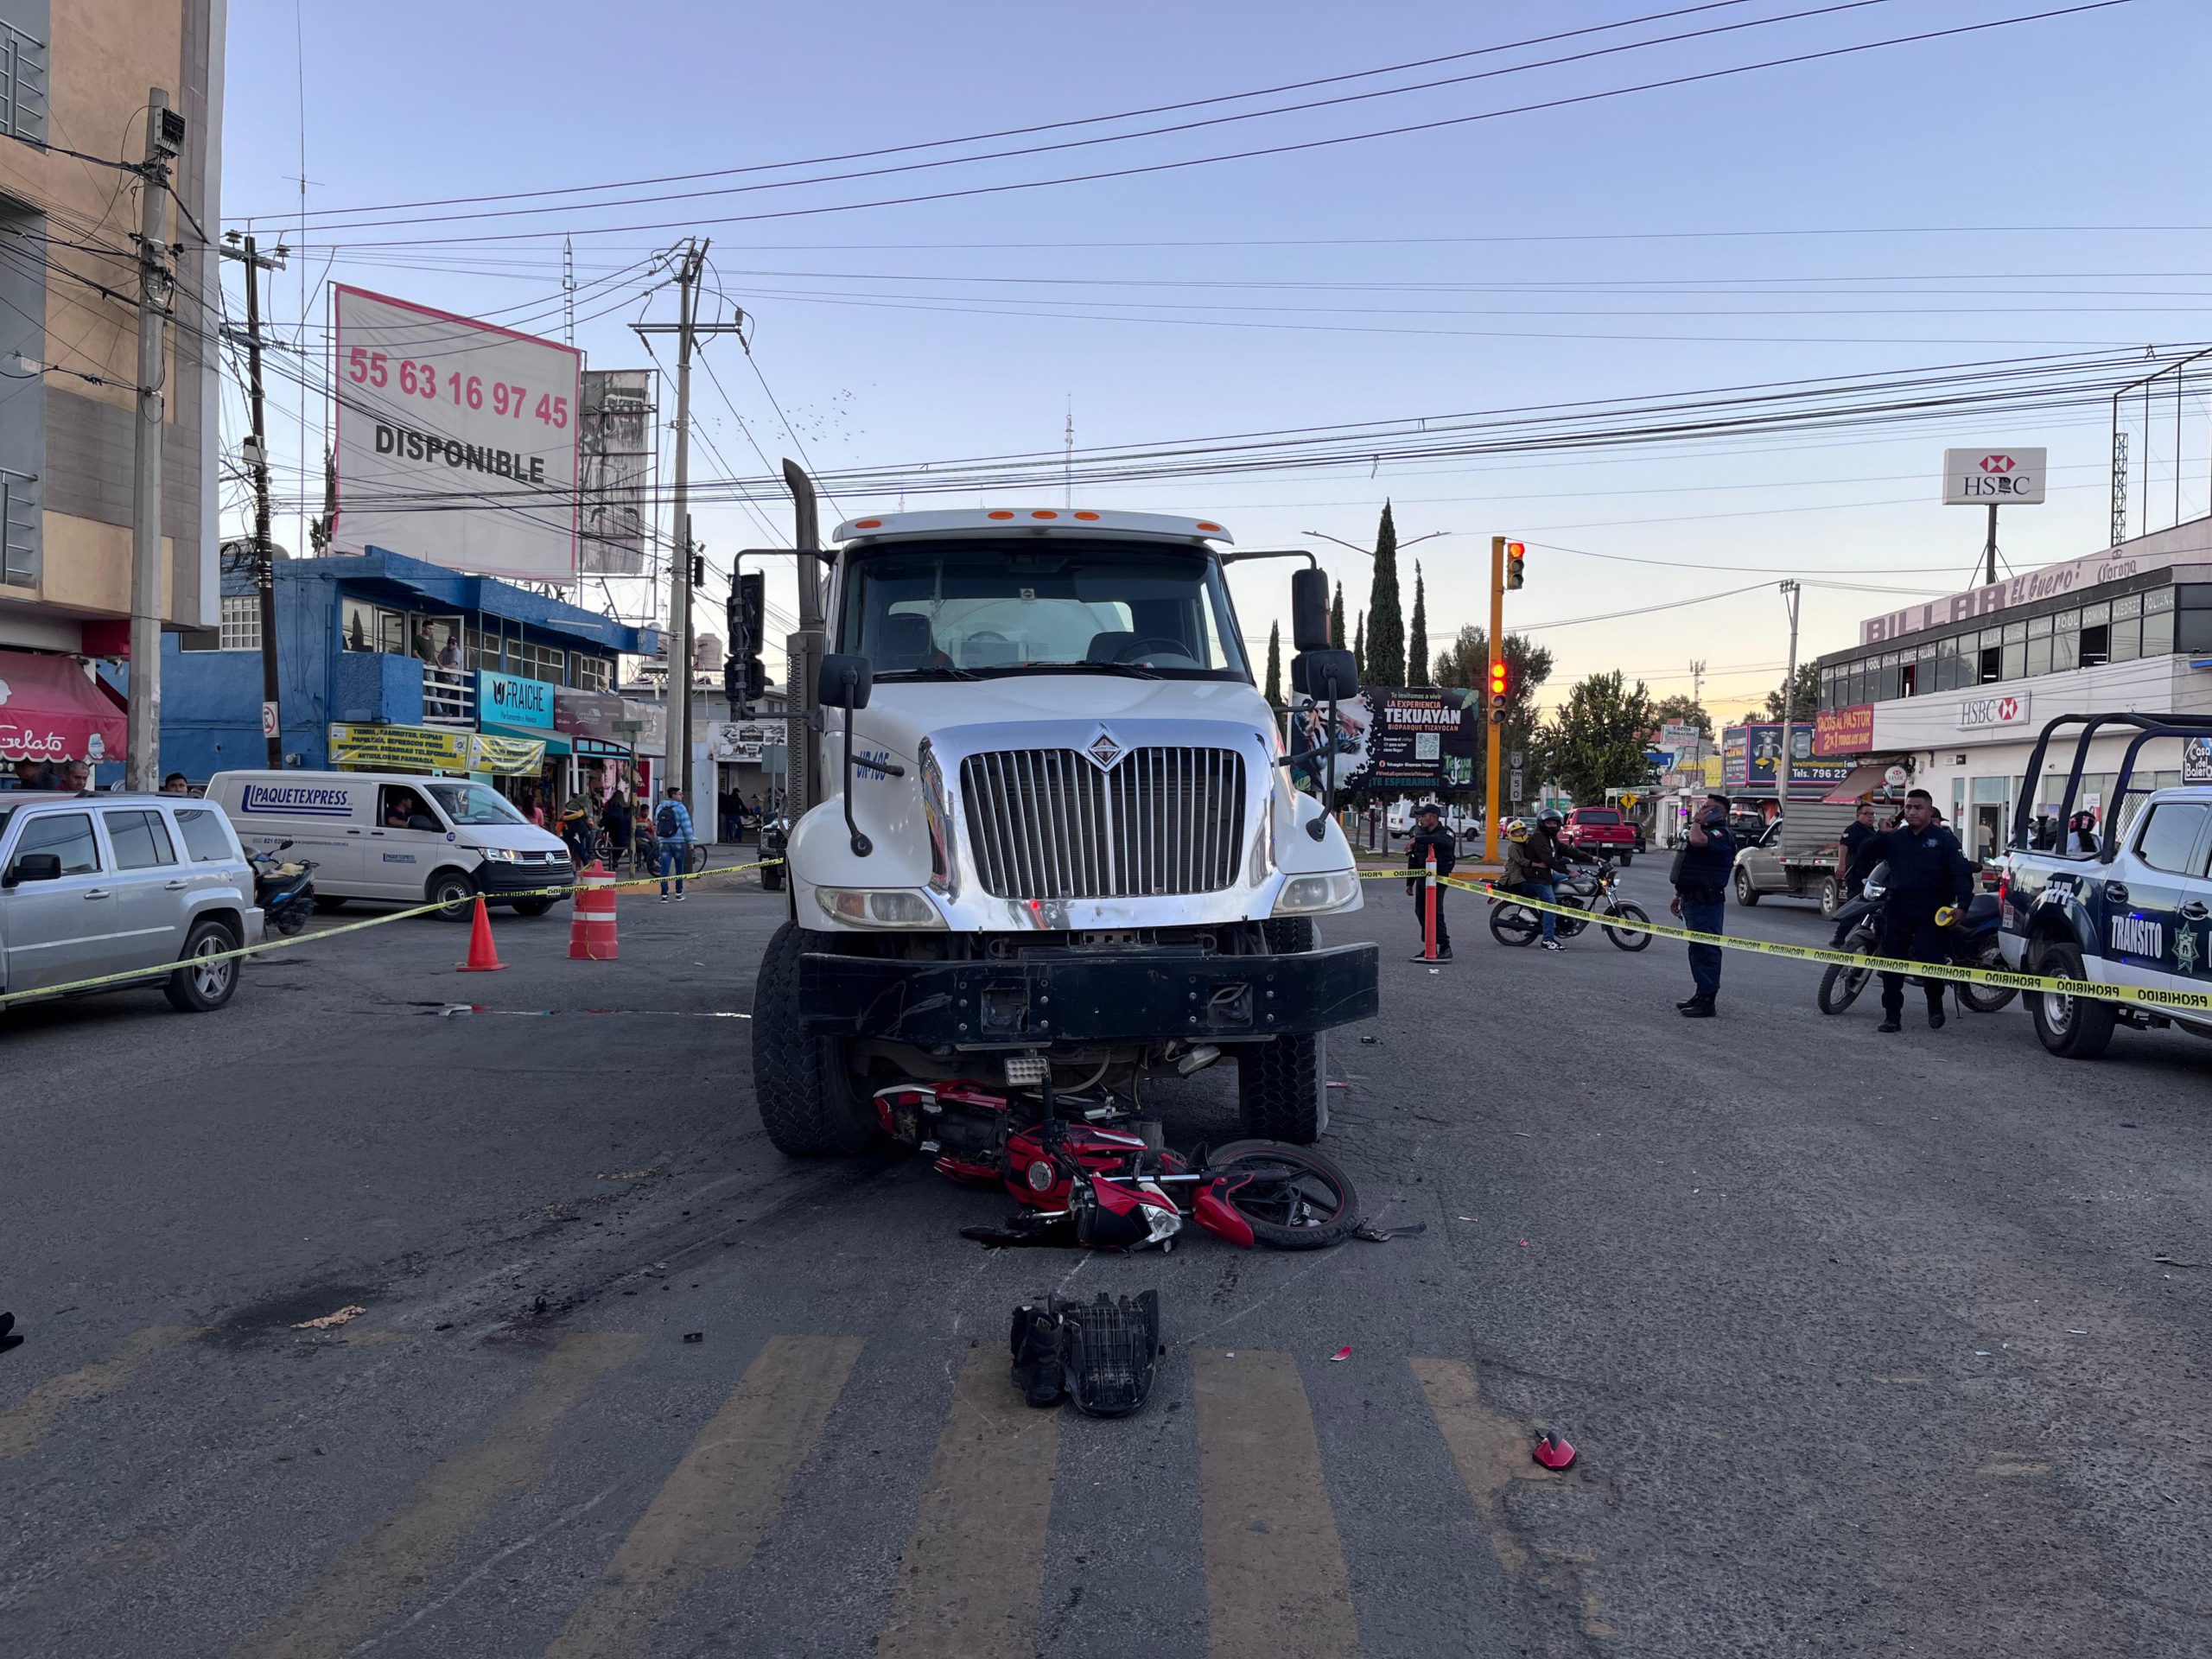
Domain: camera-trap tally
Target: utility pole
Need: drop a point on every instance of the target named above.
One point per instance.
(1790, 702)
(156, 289)
(1989, 549)
(568, 291)
(1697, 683)
(264, 558)
(687, 329)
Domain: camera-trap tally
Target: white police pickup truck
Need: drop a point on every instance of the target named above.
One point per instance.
(2135, 910)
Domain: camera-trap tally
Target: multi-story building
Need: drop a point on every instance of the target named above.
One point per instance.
(1956, 691)
(74, 78)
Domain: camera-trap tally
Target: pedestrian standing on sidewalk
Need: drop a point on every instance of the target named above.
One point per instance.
(1430, 834)
(1702, 866)
(614, 818)
(673, 830)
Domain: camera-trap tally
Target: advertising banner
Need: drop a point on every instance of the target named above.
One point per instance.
(456, 441)
(1844, 731)
(617, 463)
(746, 742)
(1993, 478)
(510, 700)
(398, 748)
(1752, 761)
(1400, 739)
(2196, 760)
(430, 748)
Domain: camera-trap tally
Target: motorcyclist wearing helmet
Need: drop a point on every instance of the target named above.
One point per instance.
(1534, 860)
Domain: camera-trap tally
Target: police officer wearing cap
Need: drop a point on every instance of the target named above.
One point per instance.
(1928, 870)
(1430, 835)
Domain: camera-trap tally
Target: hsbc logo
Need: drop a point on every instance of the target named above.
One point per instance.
(2001, 478)
(1977, 712)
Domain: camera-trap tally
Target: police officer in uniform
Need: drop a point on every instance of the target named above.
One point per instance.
(1928, 870)
(1429, 834)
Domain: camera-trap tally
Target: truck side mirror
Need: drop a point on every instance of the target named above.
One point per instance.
(1309, 610)
(845, 676)
(33, 866)
(1311, 673)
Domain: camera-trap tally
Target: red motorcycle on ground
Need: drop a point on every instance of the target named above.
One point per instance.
(1093, 1174)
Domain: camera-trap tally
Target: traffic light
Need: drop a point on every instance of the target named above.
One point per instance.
(1515, 552)
(698, 570)
(743, 677)
(1497, 692)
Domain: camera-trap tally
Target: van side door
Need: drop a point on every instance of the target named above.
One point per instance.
(57, 931)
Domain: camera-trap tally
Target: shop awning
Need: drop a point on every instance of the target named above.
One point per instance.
(599, 746)
(1868, 779)
(51, 710)
(555, 746)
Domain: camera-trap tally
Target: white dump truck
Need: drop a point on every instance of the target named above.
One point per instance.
(1057, 830)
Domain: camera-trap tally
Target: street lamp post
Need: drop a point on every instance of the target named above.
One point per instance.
(1368, 552)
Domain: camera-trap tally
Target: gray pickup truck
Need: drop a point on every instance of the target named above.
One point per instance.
(2136, 910)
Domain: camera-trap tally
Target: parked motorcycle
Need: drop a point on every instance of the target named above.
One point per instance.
(285, 891)
(1516, 923)
(1970, 941)
(1090, 1172)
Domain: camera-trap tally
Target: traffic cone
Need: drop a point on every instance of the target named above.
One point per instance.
(483, 956)
(591, 918)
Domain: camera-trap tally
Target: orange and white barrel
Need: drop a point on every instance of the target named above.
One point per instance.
(591, 922)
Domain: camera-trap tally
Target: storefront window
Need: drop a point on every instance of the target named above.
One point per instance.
(537, 662)
(2096, 634)
(1985, 836)
(1989, 657)
(483, 650)
(592, 673)
(1950, 674)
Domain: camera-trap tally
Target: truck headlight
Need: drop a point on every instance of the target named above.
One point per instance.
(1303, 895)
(879, 906)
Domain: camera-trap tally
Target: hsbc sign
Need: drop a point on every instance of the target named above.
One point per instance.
(2011, 710)
(1993, 478)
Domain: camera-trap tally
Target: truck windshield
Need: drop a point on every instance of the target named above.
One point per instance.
(473, 804)
(984, 607)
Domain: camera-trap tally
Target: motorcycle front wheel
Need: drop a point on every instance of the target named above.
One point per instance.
(1840, 986)
(1629, 938)
(1987, 999)
(1295, 1197)
(290, 920)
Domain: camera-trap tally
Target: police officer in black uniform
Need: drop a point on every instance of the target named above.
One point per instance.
(1429, 833)
(1928, 870)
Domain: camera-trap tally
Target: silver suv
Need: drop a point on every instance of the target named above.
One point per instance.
(102, 884)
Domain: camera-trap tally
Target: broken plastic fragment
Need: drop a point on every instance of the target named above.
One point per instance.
(331, 1321)
(1343, 1352)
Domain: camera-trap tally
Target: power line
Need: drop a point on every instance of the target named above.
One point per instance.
(1563, 102)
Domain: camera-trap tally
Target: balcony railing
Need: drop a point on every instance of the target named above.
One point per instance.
(19, 525)
(23, 85)
(449, 697)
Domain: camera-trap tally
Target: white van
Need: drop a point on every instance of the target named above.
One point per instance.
(398, 838)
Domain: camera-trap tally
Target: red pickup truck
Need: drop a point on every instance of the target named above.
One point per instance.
(1603, 829)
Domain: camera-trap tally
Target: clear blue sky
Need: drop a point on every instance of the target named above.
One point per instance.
(2093, 120)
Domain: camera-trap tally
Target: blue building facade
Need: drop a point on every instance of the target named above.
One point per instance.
(371, 640)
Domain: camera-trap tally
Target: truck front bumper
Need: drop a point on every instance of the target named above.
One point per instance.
(1040, 999)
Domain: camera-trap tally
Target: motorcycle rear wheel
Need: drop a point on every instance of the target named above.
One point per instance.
(1512, 924)
(1987, 999)
(1313, 1209)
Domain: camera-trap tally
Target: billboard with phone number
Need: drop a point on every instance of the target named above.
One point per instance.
(456, 441)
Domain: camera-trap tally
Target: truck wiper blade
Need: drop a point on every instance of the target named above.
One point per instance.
(934, 673)
(1128, 670)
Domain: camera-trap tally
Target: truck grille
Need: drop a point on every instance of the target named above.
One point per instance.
(1046, 823)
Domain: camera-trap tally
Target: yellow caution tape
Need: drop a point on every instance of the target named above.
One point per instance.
(2144, 995)
(153, 975)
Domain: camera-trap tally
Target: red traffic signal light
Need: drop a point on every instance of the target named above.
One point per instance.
(1514, 553)
(1498, 679)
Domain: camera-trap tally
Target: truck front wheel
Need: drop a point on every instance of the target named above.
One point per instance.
(2072, 1027)
(809, 1103)
(1282, 1085)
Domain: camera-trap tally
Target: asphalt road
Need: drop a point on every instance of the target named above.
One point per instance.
(1865, 1341)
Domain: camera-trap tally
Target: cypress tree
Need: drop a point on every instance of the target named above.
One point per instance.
(1385, 661)
(1359, 647)
(1417, 641)
(1275, 664)
(1336, 619)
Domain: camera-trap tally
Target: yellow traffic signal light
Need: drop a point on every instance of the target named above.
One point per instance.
(1515, 552)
